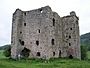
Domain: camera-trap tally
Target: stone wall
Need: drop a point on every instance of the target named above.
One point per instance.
(45, 34)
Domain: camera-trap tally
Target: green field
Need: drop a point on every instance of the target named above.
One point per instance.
(54, 63)
(88, 53)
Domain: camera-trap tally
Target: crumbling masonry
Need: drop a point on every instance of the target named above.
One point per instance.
(42, 33)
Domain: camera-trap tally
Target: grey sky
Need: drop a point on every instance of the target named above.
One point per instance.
(62, 7)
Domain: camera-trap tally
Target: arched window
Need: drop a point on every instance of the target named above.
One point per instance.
(25, 13)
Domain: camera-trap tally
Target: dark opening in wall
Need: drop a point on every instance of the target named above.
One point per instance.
(20, 32)
(37, 42)
(70, 56)
(53, 22)
(41, 10)
(38, 54)
(38, 30)
(52, 41)
(25, 53)
(70, 28)
(53, 53)
(25, 13)
(69, 44)
(59, 53)
(22, 43)
(77, 22)
(69, 36)
(24, 24)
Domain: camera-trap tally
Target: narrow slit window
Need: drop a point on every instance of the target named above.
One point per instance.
(38, 30)
(69, 36)
(25, 13)
(53, 22)
(52, 41)
(24, 24)
(69, 44)
(37, 43)
(53, 53)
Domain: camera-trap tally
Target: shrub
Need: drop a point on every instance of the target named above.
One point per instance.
(7, 51)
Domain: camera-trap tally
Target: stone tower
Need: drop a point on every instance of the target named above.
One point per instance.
(42, 33)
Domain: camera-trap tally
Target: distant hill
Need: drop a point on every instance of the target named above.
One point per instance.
(4, 47)
(85, 40)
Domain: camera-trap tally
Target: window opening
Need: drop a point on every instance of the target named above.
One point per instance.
(24, 24)
(53, 53)
(25, 53)
(39, 30)
(41, 10)
(70, 28)
(69, 44)
(38, 54)
(70, 56)
(69, 36)
(53, 22)
(52, 42)
(59, 53)
(37, 42)
(25, 13)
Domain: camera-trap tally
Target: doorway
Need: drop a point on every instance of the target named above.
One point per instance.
(25, 53)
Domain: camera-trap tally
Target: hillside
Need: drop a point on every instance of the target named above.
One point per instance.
(4, 47)
(85, 40)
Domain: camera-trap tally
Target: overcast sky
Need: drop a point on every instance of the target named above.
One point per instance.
(62, 7)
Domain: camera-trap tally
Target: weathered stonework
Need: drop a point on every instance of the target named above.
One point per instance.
(45, 34)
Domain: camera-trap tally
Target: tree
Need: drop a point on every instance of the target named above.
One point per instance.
(83, 52)
(7, 51)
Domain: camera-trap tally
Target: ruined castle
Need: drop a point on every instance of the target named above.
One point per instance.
(42, 33)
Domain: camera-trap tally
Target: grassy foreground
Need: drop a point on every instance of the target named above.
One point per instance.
(36, 63)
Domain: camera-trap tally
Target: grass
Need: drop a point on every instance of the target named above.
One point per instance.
(88, 54)
(37, 63)
(1, 54)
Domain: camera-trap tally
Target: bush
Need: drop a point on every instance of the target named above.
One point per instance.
(83, 52)
(7, 51)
